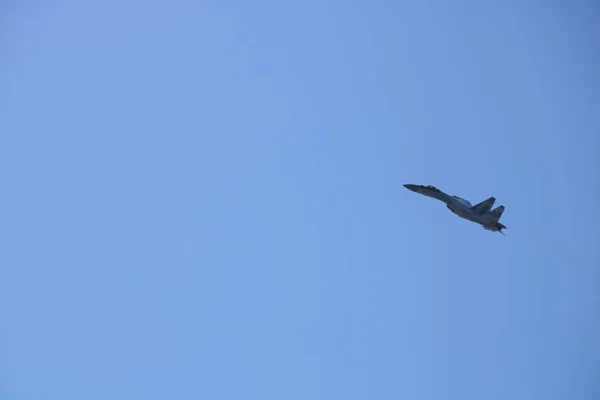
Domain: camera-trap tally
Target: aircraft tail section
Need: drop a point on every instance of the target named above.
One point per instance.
(485, 206)
(496, 213)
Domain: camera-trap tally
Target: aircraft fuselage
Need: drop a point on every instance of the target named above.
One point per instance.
(461, 207)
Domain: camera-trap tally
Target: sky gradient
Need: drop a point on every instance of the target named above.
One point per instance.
(204, 200)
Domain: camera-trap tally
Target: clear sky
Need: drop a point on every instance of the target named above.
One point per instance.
(204, 200)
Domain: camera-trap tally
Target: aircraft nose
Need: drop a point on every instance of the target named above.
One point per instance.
(411, 187)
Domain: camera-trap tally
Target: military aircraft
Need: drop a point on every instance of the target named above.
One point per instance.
(481, 213)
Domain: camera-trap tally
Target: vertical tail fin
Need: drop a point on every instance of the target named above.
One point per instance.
(496, 213)
(484, 207)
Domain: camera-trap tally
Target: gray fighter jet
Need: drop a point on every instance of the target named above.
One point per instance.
(479, 213)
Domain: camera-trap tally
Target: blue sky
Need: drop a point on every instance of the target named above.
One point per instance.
(204, 200)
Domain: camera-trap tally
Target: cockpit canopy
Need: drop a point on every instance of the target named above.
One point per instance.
(432, 188)
(465, 202)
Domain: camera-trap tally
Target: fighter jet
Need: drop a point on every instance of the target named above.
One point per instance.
(481, 213)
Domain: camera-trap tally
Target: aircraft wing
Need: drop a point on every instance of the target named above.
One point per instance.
(485, 206)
